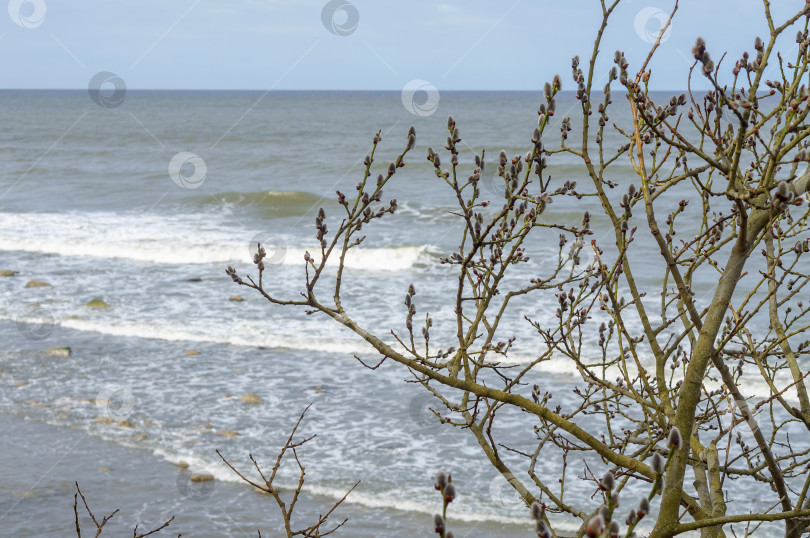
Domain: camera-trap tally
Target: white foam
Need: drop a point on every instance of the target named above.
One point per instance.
(398, 500)
(182, 239)
(330, 343)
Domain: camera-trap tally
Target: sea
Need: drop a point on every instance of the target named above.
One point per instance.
(142, 202)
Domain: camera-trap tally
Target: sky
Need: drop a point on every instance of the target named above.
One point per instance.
(354, 44)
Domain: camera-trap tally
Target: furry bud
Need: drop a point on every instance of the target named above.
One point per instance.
(542, 529)
(438, 523)
(782, 190)
(441, 478)
(699, 48)
(595, 526)
(608, 482)
(657, 463)
(674, 439)
(449, 493)
(537, 511)
(643, 508)
(604, 511)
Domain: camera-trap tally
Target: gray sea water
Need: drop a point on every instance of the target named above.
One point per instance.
(87, 205)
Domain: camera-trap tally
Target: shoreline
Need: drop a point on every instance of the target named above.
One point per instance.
(42, 461)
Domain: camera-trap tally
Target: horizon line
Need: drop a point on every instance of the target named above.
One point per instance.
(539, 90)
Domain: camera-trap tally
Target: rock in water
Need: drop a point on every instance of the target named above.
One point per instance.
(7, 272)
(201, 476)
(63, 352)
(97, 303)
(251, 398)
(192, 352)
(36, 284)
(237, 298)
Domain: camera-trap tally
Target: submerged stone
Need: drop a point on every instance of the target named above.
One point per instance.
(251, 398)
(63, 352)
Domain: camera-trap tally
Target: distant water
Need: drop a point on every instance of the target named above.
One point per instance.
(87, 204)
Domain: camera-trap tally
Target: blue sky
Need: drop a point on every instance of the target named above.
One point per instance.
(284, 44)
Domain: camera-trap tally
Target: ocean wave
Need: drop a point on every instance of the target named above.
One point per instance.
(268, 204)
(332, 342)
(178, 239)
(398, 499)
